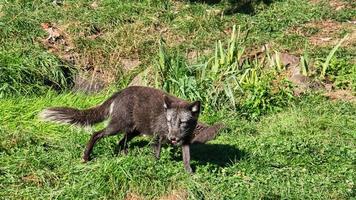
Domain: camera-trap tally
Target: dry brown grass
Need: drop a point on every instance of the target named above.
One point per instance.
(344, 95)
(335, 4)
(32, 179)
(326, 33)
(173, 195)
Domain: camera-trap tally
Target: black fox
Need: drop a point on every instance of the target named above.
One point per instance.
(139, 110)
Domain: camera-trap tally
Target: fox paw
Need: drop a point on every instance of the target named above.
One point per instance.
(85, 159)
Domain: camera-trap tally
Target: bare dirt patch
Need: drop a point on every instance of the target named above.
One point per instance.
(194, 55)
(92, 75)
(335, 4)
(326, 33)
(338, 5)
(130, 63)
(175, 195)
(57, 41)
(98, 67)
(344, 95)
(32, 179)
(133, 196)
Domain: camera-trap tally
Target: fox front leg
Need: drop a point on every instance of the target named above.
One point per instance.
(186, 158)
(157, 144)
(122, 145)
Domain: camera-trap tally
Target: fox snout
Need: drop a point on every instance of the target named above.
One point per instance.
(173, 136)
(173, 140)
(176, 141)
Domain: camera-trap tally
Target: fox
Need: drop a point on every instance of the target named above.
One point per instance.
(141, 110)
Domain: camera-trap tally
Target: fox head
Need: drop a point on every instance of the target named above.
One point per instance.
(181, 119)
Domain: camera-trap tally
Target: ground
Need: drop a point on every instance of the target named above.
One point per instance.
(305, 151)
(302, 150)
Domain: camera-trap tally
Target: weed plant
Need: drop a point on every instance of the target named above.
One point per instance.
(228, 79)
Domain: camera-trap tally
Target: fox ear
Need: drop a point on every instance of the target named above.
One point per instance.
(166, 102)
(195, 107)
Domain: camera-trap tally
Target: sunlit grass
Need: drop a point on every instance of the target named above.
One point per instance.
(292, 154)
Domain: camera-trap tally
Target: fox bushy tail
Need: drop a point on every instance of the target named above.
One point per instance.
(204, 133)
(75, 116)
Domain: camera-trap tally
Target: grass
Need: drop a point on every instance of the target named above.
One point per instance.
(131, 30)
(228, 79)
(306, 151)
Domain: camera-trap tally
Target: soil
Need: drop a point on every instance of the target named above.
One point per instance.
(90, 77)
(327, 33)
(130, 63)
(335, 4)
(344, 95)
(174, 195)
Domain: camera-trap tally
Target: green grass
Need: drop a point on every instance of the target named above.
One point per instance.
(227, 79)
(131, 29)
(304, 149)
(303, 152)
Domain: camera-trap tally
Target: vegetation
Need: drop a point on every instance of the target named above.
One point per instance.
(98, 35)
(277, 145)
(226, 80)
(305, 151)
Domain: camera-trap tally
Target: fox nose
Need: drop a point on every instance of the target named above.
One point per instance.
(173, 139)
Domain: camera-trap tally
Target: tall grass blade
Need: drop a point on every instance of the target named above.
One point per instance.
(325, 65)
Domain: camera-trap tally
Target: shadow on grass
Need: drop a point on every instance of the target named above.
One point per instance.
(237, 6)
(217, 154)
(221, 155)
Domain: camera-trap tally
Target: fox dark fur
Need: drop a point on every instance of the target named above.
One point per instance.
(137, 111)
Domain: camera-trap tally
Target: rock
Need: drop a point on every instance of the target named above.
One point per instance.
(292, 64)
(289, 60)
